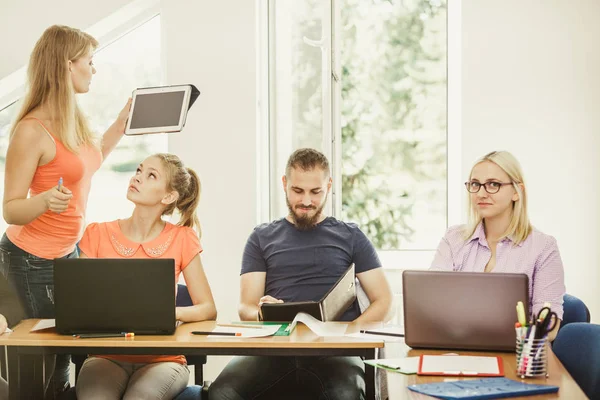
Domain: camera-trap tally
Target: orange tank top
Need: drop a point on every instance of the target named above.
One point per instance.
(54, 235)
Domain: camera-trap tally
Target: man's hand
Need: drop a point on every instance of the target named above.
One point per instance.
(3, 323)
(266, 300)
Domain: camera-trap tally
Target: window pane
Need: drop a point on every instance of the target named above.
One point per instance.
(393, 58)
(296, 85)
(131, 62)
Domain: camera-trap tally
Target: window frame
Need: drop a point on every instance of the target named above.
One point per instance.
(391, 259)
(108, 30)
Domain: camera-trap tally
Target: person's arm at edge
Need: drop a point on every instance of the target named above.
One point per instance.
(443, 260)
(378, 290)
(204, 304)
(115, 132)
(252, 289)
(553, 291)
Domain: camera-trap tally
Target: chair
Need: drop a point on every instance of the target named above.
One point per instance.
(191, 392)
(577, 346)
(575, 310)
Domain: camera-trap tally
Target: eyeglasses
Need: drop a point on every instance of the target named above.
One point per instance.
(490, 187)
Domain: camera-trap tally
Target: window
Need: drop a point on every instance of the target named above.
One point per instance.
(131, 61)
(366, 83)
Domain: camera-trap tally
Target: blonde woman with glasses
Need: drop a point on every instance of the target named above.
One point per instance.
(51, 157)
(499, 236)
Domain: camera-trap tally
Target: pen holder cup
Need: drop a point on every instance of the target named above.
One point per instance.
(532, 358)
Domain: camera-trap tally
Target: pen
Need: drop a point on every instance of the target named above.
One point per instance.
(529, 352)
(382, 333)
(103, 335)
(60, 182)
(216, 333)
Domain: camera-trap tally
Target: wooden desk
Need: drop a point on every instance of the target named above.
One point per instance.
(26, 350)
(558, 375)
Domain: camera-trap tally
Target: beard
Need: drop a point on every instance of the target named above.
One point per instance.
(305, 222)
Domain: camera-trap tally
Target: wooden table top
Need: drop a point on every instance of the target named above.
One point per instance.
(301, 337)
(558, 375)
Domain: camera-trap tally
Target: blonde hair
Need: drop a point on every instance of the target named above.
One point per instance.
(184, 181)
(49, 84)
(519, 227)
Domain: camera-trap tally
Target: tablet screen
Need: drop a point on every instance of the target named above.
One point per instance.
(157, 109)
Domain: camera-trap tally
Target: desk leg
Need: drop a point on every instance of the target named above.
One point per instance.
(25, 375)
(370, 376)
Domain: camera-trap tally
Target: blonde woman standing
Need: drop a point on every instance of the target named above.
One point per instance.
(51, 157)
(499, 236)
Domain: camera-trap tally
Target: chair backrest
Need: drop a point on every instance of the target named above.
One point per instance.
(577, 346)
(575, 310)
(183, 296)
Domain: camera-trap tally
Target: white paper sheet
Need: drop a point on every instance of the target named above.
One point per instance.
(8, 330)
(460, 364)
(407, 365)
(267, 330)
(43, 324)
(319, 327)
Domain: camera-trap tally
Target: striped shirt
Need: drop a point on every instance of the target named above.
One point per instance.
(537, 257)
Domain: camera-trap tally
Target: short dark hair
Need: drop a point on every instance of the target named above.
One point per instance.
(307, 159)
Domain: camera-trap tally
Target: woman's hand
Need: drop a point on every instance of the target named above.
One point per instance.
(57, 200)
(124, 115)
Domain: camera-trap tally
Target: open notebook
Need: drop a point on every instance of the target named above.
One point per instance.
(330, 308)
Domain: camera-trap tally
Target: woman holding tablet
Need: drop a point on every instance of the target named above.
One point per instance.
(160, 185)
(499, 236)
(51, 157)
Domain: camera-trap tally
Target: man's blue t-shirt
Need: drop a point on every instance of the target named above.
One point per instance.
(304, 265)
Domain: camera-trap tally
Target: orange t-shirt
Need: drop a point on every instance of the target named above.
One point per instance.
(53, 235)
(106, 240)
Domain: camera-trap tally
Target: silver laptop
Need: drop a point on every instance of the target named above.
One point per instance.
(462, 310)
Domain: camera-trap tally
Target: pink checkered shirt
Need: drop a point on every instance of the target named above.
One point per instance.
(537, 256)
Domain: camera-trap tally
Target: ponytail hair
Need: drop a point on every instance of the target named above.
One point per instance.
(186, 183)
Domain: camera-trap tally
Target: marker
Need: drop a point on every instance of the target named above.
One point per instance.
(545, 312)
(60, 182)
(521, 314)
(216, 333)
(103, 335)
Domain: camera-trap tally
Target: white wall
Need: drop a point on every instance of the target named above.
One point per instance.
(530, 85)
(212, 45)
(22, 23)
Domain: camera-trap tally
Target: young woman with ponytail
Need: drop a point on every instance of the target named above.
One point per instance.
(161, 185)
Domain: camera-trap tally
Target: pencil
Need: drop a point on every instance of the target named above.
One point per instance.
(216, 333)
(103, 335)
(382, 333)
